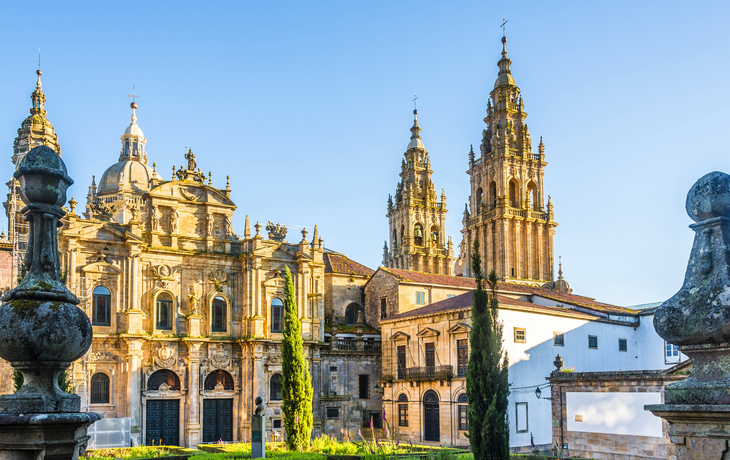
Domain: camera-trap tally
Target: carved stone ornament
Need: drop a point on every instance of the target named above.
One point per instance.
(219, 276)
(277, 232)
(165, 355)
(163, 271)
(220, 356)
(189, 194)
(103, 357)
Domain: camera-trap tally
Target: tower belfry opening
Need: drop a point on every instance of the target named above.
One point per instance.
(506, 210)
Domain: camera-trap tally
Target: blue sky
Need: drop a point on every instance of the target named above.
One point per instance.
(307, 106)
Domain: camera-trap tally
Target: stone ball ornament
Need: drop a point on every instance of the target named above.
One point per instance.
(41, 328)
(697, 317)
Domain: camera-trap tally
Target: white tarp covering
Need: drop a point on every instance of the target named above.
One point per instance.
(110, 432)
(613, 413)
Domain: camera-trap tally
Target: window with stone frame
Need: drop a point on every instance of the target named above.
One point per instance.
(100, 388)
(430, 354)
(364, 386)
(403, 410)
(383, 308)
(463, 412)
(462, 357)
(520, 335)
(101, 307)
(671, 353)
(219, 310)
(593, 342)
(420, 298)
(277, 315)
(521, 421)
(164, 311)
(333, 412)
(275, 388)
(401, 353)
(558, 339)
(623, 345)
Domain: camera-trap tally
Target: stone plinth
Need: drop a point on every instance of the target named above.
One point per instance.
(698, 431)
(258, 440)
(44, 436)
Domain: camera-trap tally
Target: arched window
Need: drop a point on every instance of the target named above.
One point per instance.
(100, 388)
(513, 194)
(218, 316)
(434, 235)
(493, 194)
(219, 377)
(402, 233)
(395, 238)
(353, 314)
(275, 388)
(463, 412)
(101, 307)
(277, 315)
(403, 410)
(164, 311)
(479, 201)
(163, 377)
(532, 195)
(418, 235)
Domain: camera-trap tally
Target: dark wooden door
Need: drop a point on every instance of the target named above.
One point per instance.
(217, 420)
(431, 427)
(163, 422)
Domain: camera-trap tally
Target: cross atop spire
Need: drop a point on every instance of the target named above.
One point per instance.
(504, 27)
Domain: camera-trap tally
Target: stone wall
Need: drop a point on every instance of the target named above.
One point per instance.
(340, 291)
(381, 285)
(607, 446)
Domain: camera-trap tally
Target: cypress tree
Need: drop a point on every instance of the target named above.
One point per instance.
(296, 385)
(487, 384)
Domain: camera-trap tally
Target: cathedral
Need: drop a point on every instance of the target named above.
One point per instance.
(187, 313)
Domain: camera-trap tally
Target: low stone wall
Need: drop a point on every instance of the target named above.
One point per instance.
(610, 446)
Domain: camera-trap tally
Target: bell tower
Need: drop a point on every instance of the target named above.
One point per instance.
(506, 209)
(416, 217)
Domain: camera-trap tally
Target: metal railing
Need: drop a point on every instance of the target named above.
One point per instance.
(430, 373)
(372, 346)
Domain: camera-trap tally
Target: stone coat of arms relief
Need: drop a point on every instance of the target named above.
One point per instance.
(165, 356)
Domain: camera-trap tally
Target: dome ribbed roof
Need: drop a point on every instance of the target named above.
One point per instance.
(130, 175)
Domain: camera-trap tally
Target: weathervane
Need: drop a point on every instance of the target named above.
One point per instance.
(504, 26)
(133, 95)
(415, 98)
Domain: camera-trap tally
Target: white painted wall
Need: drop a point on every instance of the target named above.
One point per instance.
(613, 413)
(532, 362)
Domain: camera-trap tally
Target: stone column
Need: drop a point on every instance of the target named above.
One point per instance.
(194, 427)
(697, 320)
(539, 252)
(134, 381)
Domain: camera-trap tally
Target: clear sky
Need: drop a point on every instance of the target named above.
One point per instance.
(307, 106)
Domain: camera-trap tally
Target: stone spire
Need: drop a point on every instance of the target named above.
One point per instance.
(247, 229)
(416, 142)
(35, 130)
(133, 140)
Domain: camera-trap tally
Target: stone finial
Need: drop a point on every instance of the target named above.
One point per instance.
(41, 329)
(697, 318)
(304, 235)
(72, 204)
(258, 229)
(247, 229)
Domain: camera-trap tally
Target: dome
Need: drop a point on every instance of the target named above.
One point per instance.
(130, 175)
(504, 80)
(415, 144)
(134, 130)
(562, 286)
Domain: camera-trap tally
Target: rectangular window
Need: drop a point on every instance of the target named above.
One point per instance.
(461, 315)
(277, 423)
(364, 387)
(164, 309)
(333, 368)
(671, 353)
(622, 345)
(558, 339)
(462, 355)
(219, 317)
(463, 418)
(520, 335)
(100, 314)
(401, 362)
(402, 414)
(277, 315)
(383, 308)
(430, 354)
(333, 412)
(448, 296)
(593, 342)
(521, 417)
(373, 416)
(420, 298)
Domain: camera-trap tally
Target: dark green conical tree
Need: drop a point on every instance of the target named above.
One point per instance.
(487, 384)
(296, 385)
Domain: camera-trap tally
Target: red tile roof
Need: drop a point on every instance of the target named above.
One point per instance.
(334, 262)
(464, 301)
(470, 283)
